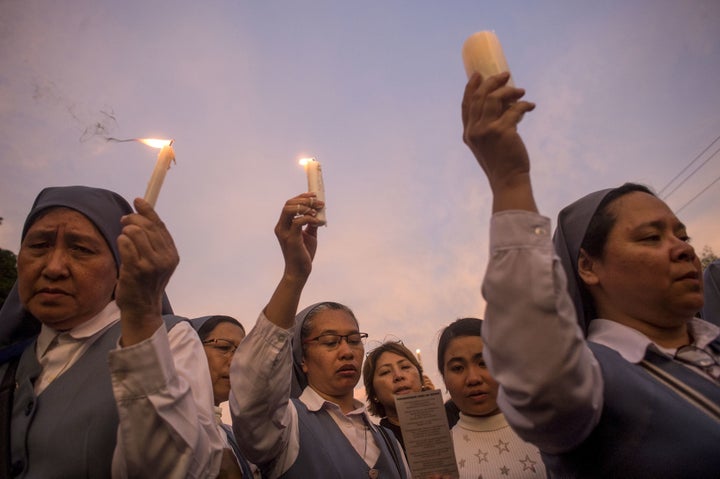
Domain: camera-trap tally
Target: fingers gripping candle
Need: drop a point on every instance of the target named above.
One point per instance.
(482, 53)
(313, 169)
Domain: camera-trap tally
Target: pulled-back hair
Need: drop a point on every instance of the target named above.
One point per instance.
(603, 220)
(212, 322)
(458, 328)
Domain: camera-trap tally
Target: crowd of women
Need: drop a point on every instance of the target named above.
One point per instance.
(591, 360)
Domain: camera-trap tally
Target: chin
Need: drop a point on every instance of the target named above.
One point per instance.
(482, 412)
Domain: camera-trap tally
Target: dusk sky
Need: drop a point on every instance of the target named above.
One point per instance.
(625, 91)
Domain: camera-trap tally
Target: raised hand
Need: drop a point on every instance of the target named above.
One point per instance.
(491, 111)
(296, 231)
(149, 258)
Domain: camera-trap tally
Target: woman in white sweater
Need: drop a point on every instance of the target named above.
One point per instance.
(485, 445)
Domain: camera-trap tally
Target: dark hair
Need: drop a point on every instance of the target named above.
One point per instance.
(458, 328)
(603, 220)
(325, 306)
(374, 406)
(213, 321)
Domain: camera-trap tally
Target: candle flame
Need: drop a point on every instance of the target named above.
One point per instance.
(305, 161)
(417, 351)
(154, 142)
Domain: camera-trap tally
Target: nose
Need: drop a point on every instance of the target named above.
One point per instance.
(475, 375)
(345, 350)
(682, 251)
(398, 375)
(56, 263)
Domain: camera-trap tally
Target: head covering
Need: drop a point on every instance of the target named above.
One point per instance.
(299, 379)
(104, 209)
(711, 280)
(572, 224)
(197, 323)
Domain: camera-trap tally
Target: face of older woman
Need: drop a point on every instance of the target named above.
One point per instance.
(394, 375)
(66, 271)
(332, 370)
(649, 274)
(220, 345)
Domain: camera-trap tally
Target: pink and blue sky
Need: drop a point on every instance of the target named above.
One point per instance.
(625, 90)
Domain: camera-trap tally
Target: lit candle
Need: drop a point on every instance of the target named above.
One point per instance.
(313, 169)
(419, 358)
(165, 157)
(482, 53)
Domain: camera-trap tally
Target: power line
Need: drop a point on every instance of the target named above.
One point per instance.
(691, 174)
(688, 166)
(695, 197)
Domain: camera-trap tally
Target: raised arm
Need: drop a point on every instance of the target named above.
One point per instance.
(149, 258)
(296, 230)
(491, 111)
(264, 421)
(163, 393)
(550, 383)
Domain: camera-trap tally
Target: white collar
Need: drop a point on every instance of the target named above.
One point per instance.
(632, 344)
(315, 402)
(108, 316)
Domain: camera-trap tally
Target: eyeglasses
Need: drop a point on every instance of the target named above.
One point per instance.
(223, 346)
(332, 341)
(699, 358)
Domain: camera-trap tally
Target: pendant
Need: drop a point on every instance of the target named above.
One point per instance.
(374, 473)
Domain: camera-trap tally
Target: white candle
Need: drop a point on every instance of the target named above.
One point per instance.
(313, 169)
(482, 53)
(165, 157)
(419, 358)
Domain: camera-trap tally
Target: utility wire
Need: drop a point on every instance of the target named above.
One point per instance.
(691, 173)
(695, 197)
(688, 166)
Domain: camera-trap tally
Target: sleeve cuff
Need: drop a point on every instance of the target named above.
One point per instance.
(144, 368)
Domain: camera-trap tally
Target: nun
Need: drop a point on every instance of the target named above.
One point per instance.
(292, 377)
(601, 361)
(220, 336)
(99, 379)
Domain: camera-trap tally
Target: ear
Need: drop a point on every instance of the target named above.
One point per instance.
(302, 365)
(587, 269)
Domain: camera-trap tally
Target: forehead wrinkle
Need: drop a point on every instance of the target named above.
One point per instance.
(73, 222)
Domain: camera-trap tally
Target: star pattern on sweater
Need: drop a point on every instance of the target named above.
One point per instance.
(528, 464)
(461, 464)
(502, 446)
(482, 456)
(466, 438)
(504, 471)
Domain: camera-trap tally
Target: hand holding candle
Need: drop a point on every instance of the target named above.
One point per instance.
(482, 53)
(315, 183)
(165, 157)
